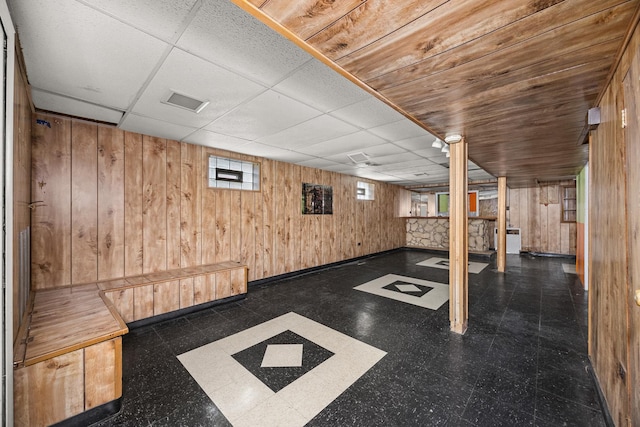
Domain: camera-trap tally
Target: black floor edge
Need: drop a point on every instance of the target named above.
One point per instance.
(601, 400)
(92, 415)
(547, 254)
(318, 268)
(181, 312)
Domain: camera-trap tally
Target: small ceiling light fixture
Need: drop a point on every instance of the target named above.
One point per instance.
(452, 139)
(437, 143)
(447, 154)
(183, 101)
(445, 149)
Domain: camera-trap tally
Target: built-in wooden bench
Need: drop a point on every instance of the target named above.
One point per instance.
(68, 356)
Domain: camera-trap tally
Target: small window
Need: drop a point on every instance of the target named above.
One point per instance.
(569, 203)
(442, 204)
(233, 174)
(365, 191)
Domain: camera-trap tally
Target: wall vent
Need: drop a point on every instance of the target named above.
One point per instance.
(183, 101)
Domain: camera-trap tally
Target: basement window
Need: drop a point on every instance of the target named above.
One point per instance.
(365, 191)
(233, 174)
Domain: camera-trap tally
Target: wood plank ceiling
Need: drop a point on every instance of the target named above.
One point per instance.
(516, 77)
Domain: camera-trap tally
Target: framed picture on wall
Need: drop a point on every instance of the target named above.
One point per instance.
(317, 199)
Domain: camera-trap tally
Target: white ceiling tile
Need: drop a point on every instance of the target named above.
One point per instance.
(370, 174)
(266, 114)
(384, 150)
(318, 163)
(224, 34)
(322, 128)
(433, 154)
(417, 143)
(52, 102)
(215, 140)
(354, 142)
(147, 126)
(161, 18)
(396, 158)
(275, 153)
(368, 113)
(340, 168)
(96, 65)
(402, 129)
(321, 87)
(199, 79)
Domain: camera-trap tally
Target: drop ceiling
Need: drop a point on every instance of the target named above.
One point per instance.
(516, 78)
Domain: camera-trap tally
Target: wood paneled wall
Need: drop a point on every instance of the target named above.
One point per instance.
(22, 119)
(614, 341)
(118, 203)
(537, 212)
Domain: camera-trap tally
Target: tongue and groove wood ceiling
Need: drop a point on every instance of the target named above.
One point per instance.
(515, 77)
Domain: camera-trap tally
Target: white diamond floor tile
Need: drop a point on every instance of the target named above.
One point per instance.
(247, 401)
(282, 356)
(408, 288)
(432, 300)
(569, 268)
(474, 267)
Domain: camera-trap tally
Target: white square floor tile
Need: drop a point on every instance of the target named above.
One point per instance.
(431, 300)
(443, 263)
(408, 288)
(282, 356)
(247, 401)
(569, 268)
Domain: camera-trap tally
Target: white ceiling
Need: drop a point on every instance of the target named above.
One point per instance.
(116, 60)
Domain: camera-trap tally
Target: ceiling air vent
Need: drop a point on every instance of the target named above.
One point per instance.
(183, 101)
(358, 157)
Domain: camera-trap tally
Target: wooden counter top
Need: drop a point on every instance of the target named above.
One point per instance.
(64, 320)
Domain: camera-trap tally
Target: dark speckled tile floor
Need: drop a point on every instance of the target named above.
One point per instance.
(521, 362)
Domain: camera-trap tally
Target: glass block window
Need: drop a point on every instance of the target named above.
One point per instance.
(233, 174)
(365, 191)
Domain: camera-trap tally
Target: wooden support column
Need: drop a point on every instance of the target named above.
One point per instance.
(502, 223)
(458, 238)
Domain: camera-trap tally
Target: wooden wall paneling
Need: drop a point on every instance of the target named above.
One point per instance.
(257, 269)
(223, 225)
(143, 302)
(329, 241)
(187, 292)
(553, 194)
(348, 222)
(111, 237)
(235, 225)
(564, 238)
(166, 297)
(133, 204)
(223, 284)
(174, 205)
(102, 373)
(204, 288)
(49, 392)
(208, 231)
(51, 219)
(573, 238)
(154, 214)
(293, 259)
(309, 228)
(631, 85)
(608, 266)
(318, 242)
(122, 300)
(247, 250)
(268, 212)
(22, 122)
(283, 185)
(553, 224)
(544, 226)
(360, 226)
(513, 212)
(191, 199)
(84, 202)
(534, 224)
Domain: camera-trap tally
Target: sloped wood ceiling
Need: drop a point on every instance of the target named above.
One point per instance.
(515, 77)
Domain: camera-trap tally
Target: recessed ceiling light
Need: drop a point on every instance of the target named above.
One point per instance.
(186, 102)
(452, 139)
